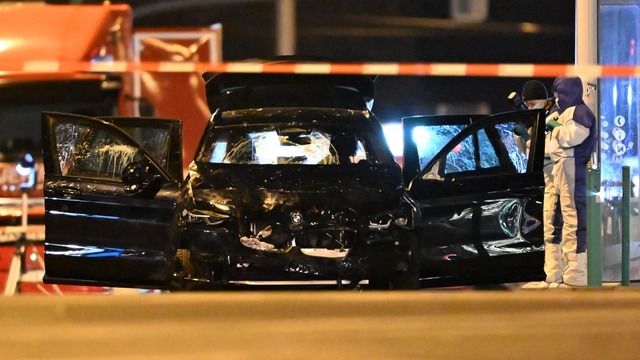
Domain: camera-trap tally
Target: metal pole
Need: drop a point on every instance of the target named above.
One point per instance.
(286, 27)
(18, 267)
(626, 247)
(594, 226)
(586, 45)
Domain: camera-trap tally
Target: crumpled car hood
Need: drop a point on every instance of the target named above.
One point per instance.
(363, 189)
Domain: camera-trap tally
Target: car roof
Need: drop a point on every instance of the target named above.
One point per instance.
(233, 91)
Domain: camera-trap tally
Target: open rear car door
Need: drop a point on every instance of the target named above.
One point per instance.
(110, 190)
(479, 189)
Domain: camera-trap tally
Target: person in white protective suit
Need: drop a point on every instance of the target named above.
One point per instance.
(572, 140)
(535, 96)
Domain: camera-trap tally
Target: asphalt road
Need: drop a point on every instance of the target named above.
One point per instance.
(599, 323)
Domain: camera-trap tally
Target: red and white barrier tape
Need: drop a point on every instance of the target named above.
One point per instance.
(401, 69)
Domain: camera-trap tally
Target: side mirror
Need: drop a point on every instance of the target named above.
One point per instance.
(136, 177)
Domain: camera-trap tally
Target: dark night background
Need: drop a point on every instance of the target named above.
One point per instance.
(391, 31)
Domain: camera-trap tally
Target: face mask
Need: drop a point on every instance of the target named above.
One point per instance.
(538, 106)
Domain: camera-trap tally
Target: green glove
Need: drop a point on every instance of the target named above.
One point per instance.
(521, 131)
(552, 124)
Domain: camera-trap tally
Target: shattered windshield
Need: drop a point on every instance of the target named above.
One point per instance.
(291, 143)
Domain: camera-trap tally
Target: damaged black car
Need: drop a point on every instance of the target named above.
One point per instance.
(293, 184)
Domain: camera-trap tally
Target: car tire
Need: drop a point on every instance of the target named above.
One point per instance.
(183, 258)
(407, 278)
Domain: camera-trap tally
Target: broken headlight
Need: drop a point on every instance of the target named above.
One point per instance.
(205, 217)
(383, 221)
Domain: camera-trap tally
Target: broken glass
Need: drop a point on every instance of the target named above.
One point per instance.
(431, 139)
(89, 152)
(282, 146)
(517, 156)
(154, 140)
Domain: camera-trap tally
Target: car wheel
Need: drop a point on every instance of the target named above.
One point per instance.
(410, 279)
(182, 271)
(407, 276)
(184, 262)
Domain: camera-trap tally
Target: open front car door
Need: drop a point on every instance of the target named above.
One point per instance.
(479, 190)
(110, 190)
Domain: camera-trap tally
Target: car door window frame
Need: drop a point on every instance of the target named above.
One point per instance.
(411, 161)
(102, 125)
(436, 168)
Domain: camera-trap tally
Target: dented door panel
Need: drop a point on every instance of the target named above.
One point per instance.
(479, 198)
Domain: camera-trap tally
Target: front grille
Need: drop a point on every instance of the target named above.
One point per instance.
(281, 237)
(326, 239)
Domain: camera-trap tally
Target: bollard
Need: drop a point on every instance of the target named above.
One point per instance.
(625, 220)
(594, 226)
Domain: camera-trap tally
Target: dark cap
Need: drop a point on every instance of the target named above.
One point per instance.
(534, 90)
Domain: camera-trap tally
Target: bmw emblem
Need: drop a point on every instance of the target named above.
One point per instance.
(296, 218)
